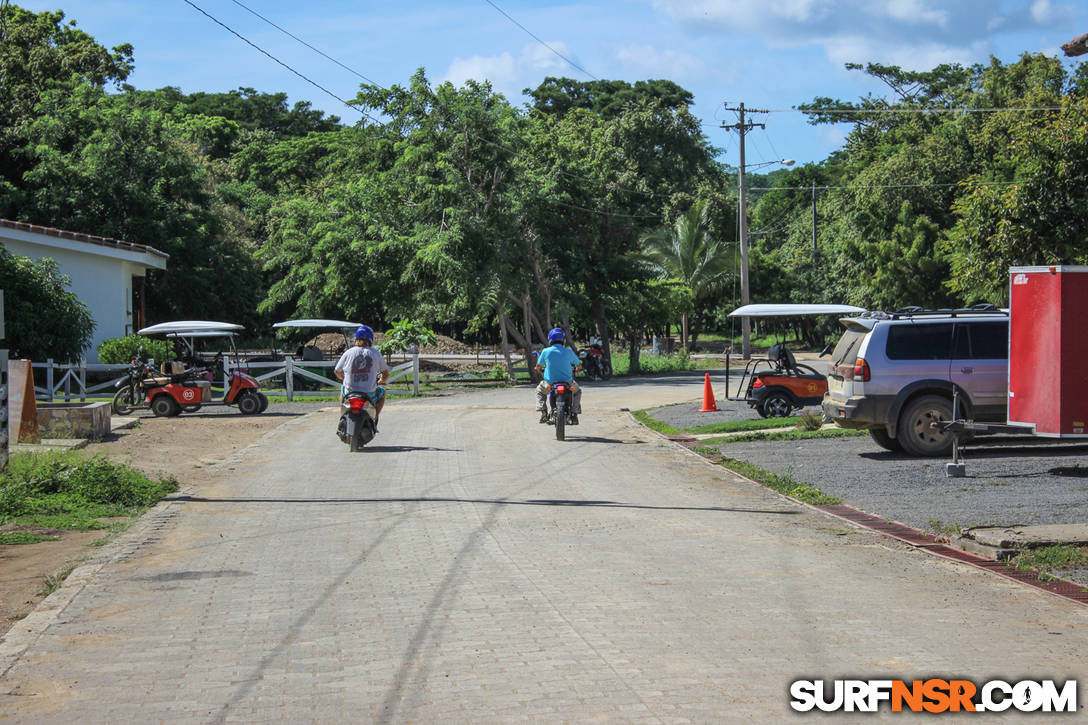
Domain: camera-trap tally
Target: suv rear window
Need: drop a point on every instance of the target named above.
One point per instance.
(920, 342)
(982, 341)
(846, 351)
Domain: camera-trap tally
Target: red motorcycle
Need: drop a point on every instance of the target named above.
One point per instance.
(595, 363)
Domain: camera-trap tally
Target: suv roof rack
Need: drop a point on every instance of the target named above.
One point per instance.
(984, 308)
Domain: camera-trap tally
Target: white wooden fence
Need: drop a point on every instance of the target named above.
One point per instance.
(69, 381)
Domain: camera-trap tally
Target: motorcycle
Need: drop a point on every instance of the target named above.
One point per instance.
(132, 389)
(596, 364)
(561, 409)
(357, 426)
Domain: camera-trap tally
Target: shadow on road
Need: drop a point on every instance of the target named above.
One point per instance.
(497, 501)
(408, 449)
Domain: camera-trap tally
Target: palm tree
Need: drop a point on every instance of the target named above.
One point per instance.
(686, 253)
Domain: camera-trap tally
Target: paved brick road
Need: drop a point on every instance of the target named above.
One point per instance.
(467, 567)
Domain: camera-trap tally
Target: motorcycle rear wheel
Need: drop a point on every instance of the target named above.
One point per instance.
(123, 401)
(560, 420)
(606, 370)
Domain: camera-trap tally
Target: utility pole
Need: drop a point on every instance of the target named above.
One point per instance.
(745, 322)
(813, 223)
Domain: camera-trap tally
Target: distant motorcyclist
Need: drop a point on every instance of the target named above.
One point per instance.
(557, 363)
(363, 369)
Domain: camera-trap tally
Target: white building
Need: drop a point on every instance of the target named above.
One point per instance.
(107, 274)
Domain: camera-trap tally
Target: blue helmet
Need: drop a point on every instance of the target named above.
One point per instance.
(556, 335)
(364, 333)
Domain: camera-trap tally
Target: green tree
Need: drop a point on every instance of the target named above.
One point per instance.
(42, 319)
(685, 252)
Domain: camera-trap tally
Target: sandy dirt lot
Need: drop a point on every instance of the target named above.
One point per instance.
(159, 447)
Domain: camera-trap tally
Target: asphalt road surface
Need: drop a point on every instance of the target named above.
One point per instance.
(467, 567)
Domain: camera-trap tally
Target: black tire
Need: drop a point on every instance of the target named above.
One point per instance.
(776, 405)
(881, 438)
(917, 433)
(353, 443)
(191, 408)
(164, 406)
(560, 420)
(123, 401)
(264, 402)
(249, 403)
(606, 370)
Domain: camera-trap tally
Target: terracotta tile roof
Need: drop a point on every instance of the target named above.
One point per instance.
(80, 237)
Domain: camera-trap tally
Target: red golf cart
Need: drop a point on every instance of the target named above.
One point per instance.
(189, 387)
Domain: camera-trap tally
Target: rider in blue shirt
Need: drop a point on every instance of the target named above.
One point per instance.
(558, 364)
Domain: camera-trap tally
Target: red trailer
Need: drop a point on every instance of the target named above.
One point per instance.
(1048, 358)
(1048, 350)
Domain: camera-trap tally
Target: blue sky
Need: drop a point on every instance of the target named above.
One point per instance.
(771, 54)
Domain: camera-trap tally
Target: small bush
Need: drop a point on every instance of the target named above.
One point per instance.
(123, 350)
(810, 421)
(76, 489)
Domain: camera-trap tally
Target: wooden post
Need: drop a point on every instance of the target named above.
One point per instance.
(22, 406)
(48, 379)
(415, 372)
(289, 377)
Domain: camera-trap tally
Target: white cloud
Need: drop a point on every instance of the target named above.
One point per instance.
(509, 74)
(647, 59)
(1042, 11)
(499, 69)
(913, 33)
(915, 11)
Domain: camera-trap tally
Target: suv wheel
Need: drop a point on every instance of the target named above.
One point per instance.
(918, 433)
(881, 438)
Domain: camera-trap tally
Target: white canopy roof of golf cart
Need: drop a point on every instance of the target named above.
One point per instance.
(190, 326)
(316, 323)
(792, 310)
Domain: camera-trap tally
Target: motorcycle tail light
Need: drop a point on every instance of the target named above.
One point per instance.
(560, 388)
(356, 405)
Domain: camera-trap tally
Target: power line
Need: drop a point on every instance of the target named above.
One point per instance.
(962, 109)
(534, 37)
(250, 43)
(300, 40)
(883, 186)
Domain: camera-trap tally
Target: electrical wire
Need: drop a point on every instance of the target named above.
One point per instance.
(261, 50)
(534, 37)
(882, 186)
(300, 40)
(962, 109)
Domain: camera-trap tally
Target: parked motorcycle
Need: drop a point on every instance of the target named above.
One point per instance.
(561, 409)
(595, 363)
(357, 425)
(132, 389)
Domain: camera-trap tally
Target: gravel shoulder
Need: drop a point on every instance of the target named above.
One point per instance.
(1011, 480)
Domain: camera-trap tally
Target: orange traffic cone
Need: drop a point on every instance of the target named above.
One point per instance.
(708, 397)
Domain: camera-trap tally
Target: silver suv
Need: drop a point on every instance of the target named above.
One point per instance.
(894, 374)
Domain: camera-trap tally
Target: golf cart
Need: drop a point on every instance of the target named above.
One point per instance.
(188, 388)
(777, 385)
(306, 330)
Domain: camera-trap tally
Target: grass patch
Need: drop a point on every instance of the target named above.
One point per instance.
(68, 490)
(937, 527)
(15, 538)
(651, 364)
(783, 483)
(653, 423)
(786, 435)
(1048, 559)
(53, 581)
(733, 426)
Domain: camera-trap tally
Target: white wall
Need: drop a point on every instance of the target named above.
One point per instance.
(102, 283)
